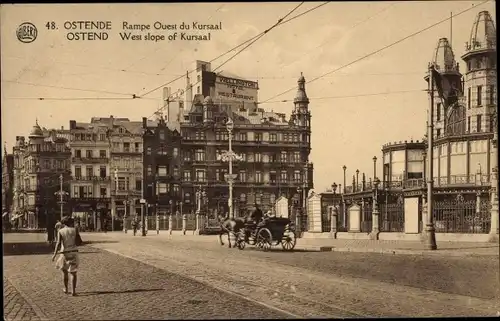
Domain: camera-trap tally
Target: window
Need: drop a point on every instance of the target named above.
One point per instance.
(479, 95)
(468, 97)
(478, 123)
(250, 157)
(82, 191)
(198, 78)
(46, 163)
(199, 155)
(243, 176)
(175, 152)
(138, 184)
(199, 135)
(162, 150)
(243, 157)
(492, 95)
(296, 157)
(187, 156)
(176, 172)
(200, 175)
(468, 124)
(296, 176)
(258, 137)
(126, 147)
(468, 66)
(438, 112)
(103, 192)
(187, 176)
(438, 132)
(243, 136)
(273, 138)
(78, 153)
(162, 170)
(162, 134)
(102, 153)
(102, 137)
(78, 171)
(88, 154)
(102, 171)
(162, 188)
(283, 176)
(283, 157)
(148, 150)
(176, 189)
(89, 191)
(258, 157)
(89, 171)
(137, 147)
(258, 177)
(272, 177)
(122, 184)
(150, 170)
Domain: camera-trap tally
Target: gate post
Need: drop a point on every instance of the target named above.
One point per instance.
(375, 228)
(184, 223)
(333, 222)
(170, 221)
(298, 222)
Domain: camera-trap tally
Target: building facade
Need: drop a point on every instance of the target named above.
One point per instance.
(163, 188)
(7, 184)
(90, 188)
(41, 167)
(274, 153)
(464, 145)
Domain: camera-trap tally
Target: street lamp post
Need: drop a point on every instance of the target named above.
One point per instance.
(357, 179)
(430, 236)
(61, 193)
(334, 213)
(125, 203)
(344, 168)
(494, 182)
(375, 213)
(229, 156)
(374, 167)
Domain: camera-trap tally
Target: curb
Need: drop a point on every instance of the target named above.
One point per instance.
(395, 251)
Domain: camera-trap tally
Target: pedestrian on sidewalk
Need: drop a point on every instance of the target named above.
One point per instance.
(50, 230)
(68, 260)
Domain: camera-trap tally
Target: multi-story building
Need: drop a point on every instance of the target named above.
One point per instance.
(7, 184)
(464, 143)
(162, 167)
(274, 152)
(91, 172)
(39, 166)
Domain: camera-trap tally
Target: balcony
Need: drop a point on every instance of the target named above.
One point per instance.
(91, 178)
(89, 160)
(127, 151)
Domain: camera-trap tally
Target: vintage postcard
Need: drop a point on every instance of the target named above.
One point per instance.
(249, 160)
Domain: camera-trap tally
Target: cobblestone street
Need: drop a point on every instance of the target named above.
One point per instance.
(185, 278)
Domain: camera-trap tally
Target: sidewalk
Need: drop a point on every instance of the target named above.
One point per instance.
(365, 246)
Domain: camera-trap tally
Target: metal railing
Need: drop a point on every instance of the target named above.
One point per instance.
(366, 218)
(392, 217)
(462, 216)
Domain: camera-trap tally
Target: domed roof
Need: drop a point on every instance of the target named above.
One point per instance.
(301, 95)
(36, 131)
(483, 33)
(443, 58)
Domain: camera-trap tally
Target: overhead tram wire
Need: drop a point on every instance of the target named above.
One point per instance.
(261, 35)
(348, 96)
(236, 47)
(66, 88)
(381, 49)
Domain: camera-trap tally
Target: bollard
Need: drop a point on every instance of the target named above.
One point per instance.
(170, 223)
(157, 224)
(184, 223)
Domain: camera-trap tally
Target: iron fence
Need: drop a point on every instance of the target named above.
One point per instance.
(190, 222)
(325, 220)
(343, 221)
(462, 216)
(392, 217)
(366, 217)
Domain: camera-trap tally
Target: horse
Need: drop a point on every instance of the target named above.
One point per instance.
(236, 225)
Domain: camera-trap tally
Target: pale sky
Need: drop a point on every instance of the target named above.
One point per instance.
(349, 130)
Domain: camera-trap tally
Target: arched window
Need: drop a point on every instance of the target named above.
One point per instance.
(455, 122)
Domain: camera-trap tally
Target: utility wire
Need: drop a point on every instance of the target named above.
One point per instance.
(348, 96)
(78, 98)
(234, 48)
(67, 88)
(381, 49)
(262, 35)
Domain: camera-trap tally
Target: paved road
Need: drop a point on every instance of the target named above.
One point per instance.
(306, 284)
(326, 284)
(113, 287)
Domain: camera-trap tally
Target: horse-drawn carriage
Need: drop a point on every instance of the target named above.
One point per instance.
(270, 231)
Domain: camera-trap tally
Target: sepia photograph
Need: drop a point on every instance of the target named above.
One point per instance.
(249, 160)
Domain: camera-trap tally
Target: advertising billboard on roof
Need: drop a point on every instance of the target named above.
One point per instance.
(234, 89)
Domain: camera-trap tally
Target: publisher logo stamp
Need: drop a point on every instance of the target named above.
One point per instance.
(26, 32)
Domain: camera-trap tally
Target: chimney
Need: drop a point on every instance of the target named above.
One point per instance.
(62, 127)
(112, 120)
(72, 124)
(180, 113)
(144, 122)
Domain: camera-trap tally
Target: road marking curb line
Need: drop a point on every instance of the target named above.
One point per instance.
(393, 251)
(35, 307)
(207, 284)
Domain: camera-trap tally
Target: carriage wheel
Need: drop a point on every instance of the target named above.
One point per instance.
(264, 239)
(289, 240)
(240, 241)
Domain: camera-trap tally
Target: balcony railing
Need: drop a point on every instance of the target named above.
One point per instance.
(452, 180)
(91, 178)
(90, 159)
